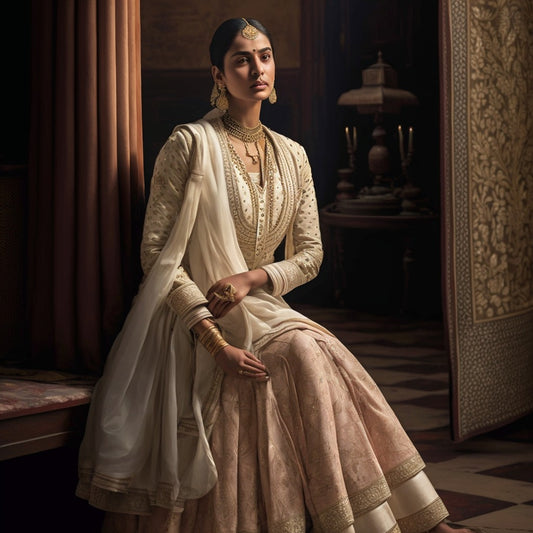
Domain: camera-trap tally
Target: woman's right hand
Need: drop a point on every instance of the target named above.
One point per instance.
(241, 363)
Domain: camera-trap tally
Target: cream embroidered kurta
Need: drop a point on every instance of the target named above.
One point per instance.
(316, 444)
(263, 216)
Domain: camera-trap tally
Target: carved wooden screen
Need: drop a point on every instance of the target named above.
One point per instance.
(487, 176)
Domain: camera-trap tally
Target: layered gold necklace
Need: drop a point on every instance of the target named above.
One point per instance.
(245, 135)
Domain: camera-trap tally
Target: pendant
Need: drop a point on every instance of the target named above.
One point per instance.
(253, 157)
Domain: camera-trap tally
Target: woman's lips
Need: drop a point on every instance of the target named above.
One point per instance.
(260, 85)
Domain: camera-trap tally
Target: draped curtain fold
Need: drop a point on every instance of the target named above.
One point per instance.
(86, 187)
(487, 169)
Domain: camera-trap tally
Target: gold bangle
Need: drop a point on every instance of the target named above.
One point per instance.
(212, 340)
(217, 345)
(206, 332)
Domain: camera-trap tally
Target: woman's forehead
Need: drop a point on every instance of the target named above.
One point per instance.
(246, 45)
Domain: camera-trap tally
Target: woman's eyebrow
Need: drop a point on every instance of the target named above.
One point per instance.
(246, 53)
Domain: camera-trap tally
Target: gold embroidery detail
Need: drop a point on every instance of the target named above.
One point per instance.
(293, 525)
(370, 497)
(472, 335)
(342, 514)
(185, 297)
(404, 471)
(337, 518)
(262, 232)
(395, 529)
(425, 519)
(500, 153)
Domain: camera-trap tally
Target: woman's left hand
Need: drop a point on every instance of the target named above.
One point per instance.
(228, 292)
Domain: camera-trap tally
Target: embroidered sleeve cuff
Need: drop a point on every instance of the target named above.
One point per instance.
(195, 315)
(285, 276)
(185, 301)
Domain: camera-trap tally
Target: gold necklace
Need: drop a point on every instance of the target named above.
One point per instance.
(246, 135)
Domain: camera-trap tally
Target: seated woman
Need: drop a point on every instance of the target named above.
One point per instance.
(221, 409)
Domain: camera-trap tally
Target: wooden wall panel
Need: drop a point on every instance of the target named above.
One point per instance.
(176, 35)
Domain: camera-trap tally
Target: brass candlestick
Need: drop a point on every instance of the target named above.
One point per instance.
(413, 200)
(345, 186)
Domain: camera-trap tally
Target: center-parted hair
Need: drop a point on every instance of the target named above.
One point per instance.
(226, 33)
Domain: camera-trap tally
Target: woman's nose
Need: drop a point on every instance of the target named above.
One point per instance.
(257, 67)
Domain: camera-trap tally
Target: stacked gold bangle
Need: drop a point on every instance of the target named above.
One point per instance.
(212, 339)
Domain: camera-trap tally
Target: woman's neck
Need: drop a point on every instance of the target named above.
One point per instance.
(247, 115)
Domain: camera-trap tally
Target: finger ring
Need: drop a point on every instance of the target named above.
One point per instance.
(241, 372)
(227, 294)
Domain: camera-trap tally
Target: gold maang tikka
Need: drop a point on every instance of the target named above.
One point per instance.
(249, 32)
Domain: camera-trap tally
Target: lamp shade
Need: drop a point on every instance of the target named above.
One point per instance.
(379, 92)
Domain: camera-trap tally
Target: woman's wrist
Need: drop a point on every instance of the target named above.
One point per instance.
(257, 278)
(220, 350)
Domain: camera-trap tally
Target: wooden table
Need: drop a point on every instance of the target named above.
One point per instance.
(411, 229)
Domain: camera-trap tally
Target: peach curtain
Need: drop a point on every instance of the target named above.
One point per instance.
(86, 188)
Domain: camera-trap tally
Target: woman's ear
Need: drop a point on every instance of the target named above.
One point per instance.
(218, 76)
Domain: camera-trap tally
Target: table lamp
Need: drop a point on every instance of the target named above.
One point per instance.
(379, 95)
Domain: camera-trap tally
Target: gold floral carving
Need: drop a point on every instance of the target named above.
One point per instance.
(489, 310)
(501, 156)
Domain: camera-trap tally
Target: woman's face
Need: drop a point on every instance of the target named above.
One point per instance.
(249, 69)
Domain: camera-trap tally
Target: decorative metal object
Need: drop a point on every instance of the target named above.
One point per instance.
(379, 95)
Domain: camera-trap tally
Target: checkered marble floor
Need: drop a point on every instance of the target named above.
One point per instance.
(486, 482)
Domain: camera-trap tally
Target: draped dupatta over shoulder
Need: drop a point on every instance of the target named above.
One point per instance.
(146, 441)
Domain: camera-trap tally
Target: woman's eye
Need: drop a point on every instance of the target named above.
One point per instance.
(242, 60)
(266, 57)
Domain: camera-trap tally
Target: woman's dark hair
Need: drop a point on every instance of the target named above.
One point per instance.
(224, 35)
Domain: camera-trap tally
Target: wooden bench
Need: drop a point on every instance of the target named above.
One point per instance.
(41, 410)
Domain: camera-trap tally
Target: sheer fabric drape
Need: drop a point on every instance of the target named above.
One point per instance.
(86, 188)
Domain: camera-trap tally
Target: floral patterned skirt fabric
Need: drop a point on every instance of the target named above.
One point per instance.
(316, 446)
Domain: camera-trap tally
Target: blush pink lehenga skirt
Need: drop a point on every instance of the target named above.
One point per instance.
(316, 448)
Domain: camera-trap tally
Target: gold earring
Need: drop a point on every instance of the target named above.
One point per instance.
(218, 97)
(214, 95)
(273, 98)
